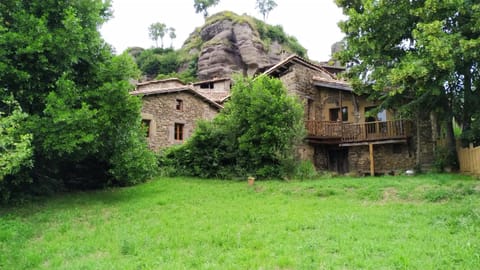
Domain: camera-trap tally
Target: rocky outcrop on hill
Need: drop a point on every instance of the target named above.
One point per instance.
(229, 43)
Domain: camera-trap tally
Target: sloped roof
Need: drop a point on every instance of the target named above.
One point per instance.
(217, 96)
(186, 88)
(161, 81)
(329, 80)
(212, 80)
(332, 83)
(286, 63)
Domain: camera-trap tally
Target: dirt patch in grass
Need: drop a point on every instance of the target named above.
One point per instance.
(259, 189)
(390, 194)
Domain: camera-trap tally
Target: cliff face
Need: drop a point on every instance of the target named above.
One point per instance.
(229, 44)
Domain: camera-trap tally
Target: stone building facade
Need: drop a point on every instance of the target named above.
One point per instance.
(170, 111)
(346, 132)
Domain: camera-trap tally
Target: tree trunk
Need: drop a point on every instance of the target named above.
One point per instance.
(451, 144)
(468, 102)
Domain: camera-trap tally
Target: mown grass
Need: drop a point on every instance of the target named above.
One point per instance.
(422, 222)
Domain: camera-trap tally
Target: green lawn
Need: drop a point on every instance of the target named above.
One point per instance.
(423, 222)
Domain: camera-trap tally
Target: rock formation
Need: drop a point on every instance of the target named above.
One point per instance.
(229, 43)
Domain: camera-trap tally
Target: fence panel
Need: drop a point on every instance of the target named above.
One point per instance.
(469, 159)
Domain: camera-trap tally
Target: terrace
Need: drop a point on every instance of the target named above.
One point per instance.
(354, 133)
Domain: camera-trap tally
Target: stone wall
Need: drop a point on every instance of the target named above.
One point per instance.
(306, 151)
(424, 142)
(162, 112)
(222, 85)
(388, 158)
(299, 82)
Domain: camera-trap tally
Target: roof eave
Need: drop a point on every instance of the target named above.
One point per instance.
(334, 85)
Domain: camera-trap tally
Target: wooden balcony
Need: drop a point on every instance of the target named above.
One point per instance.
(342, 133)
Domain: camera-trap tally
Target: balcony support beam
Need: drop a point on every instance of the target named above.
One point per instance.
(372, 161)
(374, 142)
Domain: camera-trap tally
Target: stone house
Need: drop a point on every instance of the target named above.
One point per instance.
(170, 110)
(217, 89)
(345, 132)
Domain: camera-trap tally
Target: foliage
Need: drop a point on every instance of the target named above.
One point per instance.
(265, 7)
(172, 35)
(255, 134)
(157, 30)
(165, 63)
(271, 33)
(305, 170)
(443, 159)
(204, 5)
(418, 56)
(178, 223)
(15, 145)
(472, 135)
(134, 51)
(153, 62)
(86, 126)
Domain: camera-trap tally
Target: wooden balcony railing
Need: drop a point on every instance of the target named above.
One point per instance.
(360, 132)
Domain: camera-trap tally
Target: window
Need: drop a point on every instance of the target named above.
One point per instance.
(380, 116)
(146, 126)
(335, 114)
(208, 85)
(179, 105)
(179, 131)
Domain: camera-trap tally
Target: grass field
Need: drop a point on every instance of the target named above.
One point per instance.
(422, 222)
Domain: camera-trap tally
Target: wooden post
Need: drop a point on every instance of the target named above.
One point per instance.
(372, 161)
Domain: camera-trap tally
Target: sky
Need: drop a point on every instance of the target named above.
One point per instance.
(312, 22)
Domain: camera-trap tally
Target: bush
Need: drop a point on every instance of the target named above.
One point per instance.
(305, 170)
(16, 150)
(153, 62)
(254, 135)
(15, 143)
(269, 33)
(81, 127)
(444, 159)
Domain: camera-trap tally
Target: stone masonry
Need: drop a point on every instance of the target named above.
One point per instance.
(162, 113)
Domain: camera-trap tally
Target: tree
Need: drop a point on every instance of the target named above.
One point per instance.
(254, 135)
(172, 35)
(15, 146)
(74, 96)
(204, 5)
(418, 56)
(157, 30)
(265, 6)
(153, 62)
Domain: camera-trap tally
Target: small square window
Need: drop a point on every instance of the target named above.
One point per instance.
(334, 114)
(179, 105)
(179, 131)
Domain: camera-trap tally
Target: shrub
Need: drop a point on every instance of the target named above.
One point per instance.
(444, 158)
(254, 135)
(305, 170)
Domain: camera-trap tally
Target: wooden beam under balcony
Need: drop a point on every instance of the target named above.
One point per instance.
(350, 133)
